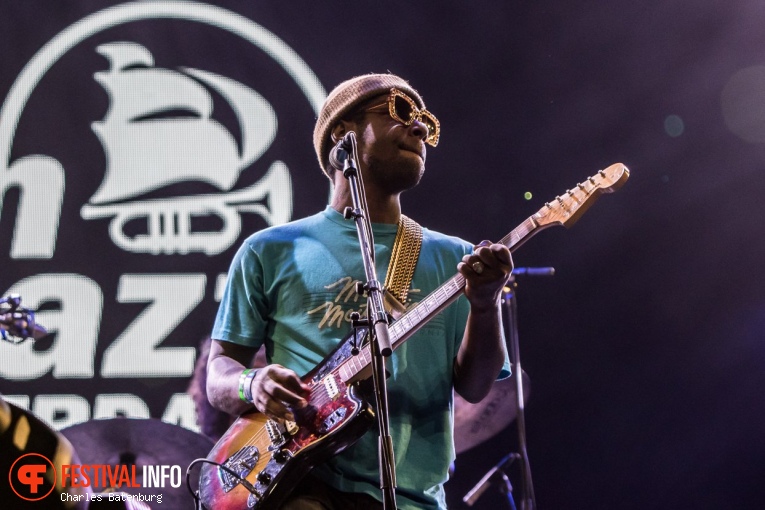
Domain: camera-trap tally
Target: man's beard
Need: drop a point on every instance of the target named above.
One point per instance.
(396, 176)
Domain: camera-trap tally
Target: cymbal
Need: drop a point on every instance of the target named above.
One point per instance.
(476, 423)
(141, 442)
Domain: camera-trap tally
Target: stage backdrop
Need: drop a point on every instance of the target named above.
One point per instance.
(143, 141)
(137, 159)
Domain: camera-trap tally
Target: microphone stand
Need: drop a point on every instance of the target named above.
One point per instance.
(377, 319)
(497, 474)
(510, 308)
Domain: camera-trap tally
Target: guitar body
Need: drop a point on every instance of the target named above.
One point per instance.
(274, 458)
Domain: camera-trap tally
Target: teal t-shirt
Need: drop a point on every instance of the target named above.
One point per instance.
(292, 288)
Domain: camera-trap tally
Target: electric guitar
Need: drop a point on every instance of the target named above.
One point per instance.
(258, 461)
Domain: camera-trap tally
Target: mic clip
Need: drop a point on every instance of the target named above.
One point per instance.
(341, 155)
(496, 475)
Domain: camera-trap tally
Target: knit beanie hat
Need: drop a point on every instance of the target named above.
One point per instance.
(345, 97)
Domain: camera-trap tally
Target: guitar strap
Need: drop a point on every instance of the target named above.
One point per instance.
(403, 259)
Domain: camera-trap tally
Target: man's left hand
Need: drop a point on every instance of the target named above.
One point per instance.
(486, 271)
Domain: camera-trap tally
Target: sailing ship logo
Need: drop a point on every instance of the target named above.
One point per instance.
(159, 131)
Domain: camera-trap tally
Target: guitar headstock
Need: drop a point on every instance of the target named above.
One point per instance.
(567, 208)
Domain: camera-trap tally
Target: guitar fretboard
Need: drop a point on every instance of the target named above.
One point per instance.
(419, 315)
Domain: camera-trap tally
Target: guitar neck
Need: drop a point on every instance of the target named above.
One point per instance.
(425, 310)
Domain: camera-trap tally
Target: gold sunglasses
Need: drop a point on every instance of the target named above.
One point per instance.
(403, 109)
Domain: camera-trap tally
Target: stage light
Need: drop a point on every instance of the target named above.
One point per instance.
(674, 125)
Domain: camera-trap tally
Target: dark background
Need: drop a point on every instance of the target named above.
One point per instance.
(645, 351)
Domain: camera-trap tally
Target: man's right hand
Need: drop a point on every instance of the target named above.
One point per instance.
(276, 391)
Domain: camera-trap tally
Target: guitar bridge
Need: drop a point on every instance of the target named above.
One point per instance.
(275, 434)
(242, 463)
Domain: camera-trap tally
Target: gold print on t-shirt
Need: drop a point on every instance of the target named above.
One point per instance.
(335, 312)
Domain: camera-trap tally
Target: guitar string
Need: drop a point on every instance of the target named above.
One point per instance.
(321, 399)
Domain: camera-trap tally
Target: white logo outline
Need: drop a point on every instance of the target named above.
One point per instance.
(37, 239)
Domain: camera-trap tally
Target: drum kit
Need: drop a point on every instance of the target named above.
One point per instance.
(140, 443)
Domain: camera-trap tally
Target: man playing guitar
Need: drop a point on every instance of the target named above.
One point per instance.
(290, 288)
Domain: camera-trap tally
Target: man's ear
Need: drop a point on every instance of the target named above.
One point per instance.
(338, 132)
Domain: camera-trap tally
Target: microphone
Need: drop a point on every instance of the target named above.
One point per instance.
(489, 478)
(341, 151)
